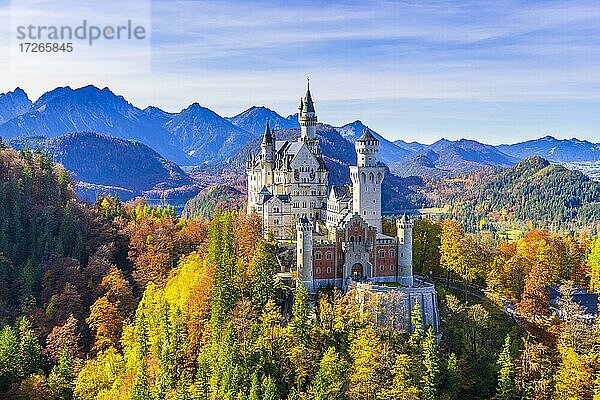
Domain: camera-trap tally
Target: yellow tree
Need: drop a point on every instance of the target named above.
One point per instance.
(574, 377)
(364, 377)
(450, 248)
(105, 321)
(594, 267)
(403, 387)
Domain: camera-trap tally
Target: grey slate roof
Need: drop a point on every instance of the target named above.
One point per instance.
(367, 135)
(267, 136)
(341, 192)
(587, 301)
(264, 195)
(309, 106)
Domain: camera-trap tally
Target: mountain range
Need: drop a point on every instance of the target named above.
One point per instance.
(446, 157)
(556, 150)
(197, 136)
(193, 136)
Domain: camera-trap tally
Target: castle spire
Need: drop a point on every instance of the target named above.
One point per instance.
(309, 106)
(267, 136)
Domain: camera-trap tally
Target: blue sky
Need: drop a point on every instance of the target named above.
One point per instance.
(497, 71)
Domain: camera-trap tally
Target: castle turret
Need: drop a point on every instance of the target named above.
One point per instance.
(304, 252)
(404, 228)
(366, 180)
(308, 121)
(267, 148)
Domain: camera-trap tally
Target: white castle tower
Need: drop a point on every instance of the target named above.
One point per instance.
(308, 121)
(404, 228)
(304, 253)
(366, 177)
(267, 148)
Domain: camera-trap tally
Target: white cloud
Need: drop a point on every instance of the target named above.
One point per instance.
(371, 56)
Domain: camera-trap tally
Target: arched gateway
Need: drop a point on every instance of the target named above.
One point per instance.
(357, 272)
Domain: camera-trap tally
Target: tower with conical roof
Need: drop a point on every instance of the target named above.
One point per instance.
(267, 149)
(366, 177)
(308, 121)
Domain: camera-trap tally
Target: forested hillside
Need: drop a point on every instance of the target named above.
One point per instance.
(127, 301)
(532, 193)
(113, 165)
(558, 355)
(209, 201)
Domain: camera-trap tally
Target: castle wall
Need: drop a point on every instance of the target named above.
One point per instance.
(392, 307)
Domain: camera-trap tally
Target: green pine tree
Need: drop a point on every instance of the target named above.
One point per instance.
(60, 380)
(254, 388)
(329, 381)
(269, 389)
(300, 322)
(506, 374)
(430, 380)
(29, 349)
(264, 269)
(418, 333)
(453, 380)
(140, 389)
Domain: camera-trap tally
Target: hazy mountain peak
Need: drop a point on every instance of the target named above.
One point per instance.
(17, 92)
(156, 113)
(50, 95)
(204, 135)
(13, 104)
(254, 118)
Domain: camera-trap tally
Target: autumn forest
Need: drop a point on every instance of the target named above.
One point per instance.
(118, 300)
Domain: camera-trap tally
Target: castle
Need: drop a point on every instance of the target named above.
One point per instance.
(337, 231)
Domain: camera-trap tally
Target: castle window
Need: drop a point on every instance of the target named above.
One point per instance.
(318, 255)
(381, 253)
(328, 255)
(392, 253)
(276, 222)
(401, 254)
(328, 270)
(392, 267)
(381, 267)
(318, 270)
